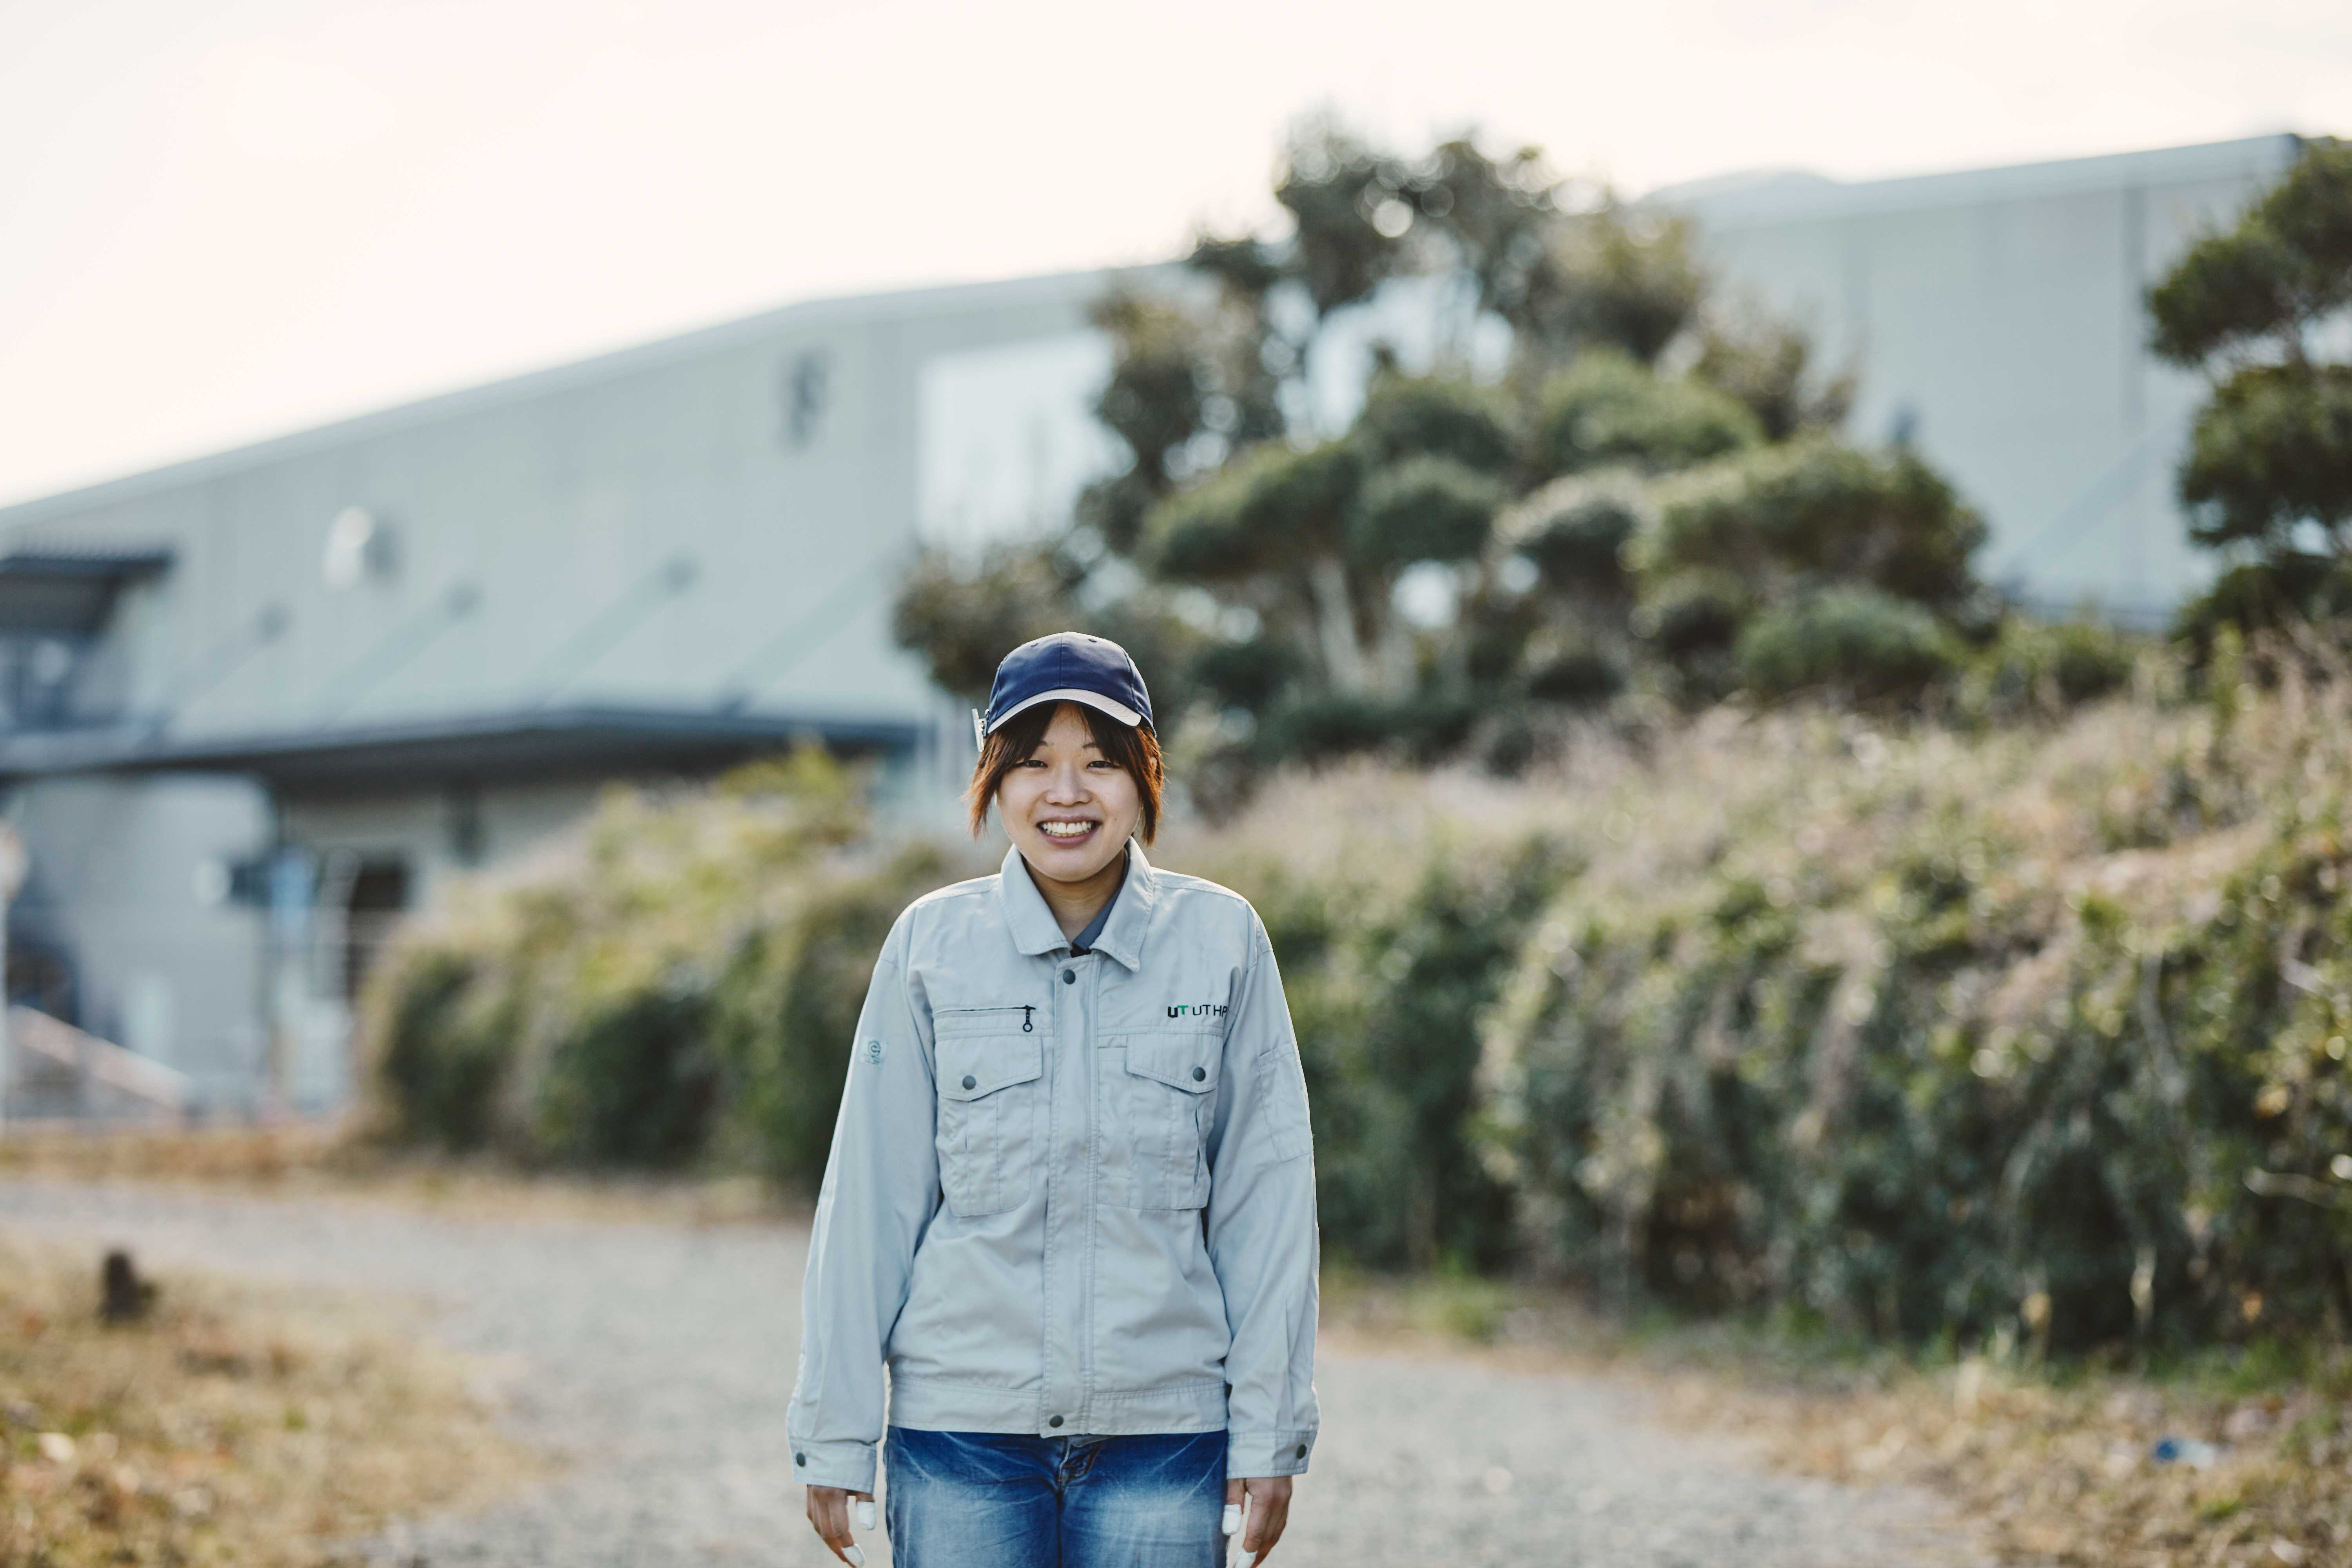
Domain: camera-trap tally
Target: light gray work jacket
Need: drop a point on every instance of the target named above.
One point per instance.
(1068, 1193)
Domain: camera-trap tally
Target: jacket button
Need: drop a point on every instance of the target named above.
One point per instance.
(970, 1082)
(1200, 1073)
(800, 1458)
(1302, 1451)
(1069, 977)
(1057, 1421)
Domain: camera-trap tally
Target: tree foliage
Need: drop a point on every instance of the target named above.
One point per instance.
(2272, 452)
(1607, 408)
(1570, 476)
(2268, 475)
(1812, 513)
(2259, 291)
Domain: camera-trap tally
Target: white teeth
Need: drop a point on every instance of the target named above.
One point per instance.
(1065, 829)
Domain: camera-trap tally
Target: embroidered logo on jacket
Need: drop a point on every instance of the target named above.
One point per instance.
(1197, 1010)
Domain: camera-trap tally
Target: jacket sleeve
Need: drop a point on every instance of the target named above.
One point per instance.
(880, 1189)
(1261, 1229)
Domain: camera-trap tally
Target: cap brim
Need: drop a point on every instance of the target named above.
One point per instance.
(1118, 711)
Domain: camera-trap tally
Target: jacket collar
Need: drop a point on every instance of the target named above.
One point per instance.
(1036, 931)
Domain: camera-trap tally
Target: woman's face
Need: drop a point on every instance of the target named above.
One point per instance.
(1068, 809)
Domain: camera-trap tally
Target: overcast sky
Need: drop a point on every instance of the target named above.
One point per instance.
(222, 221)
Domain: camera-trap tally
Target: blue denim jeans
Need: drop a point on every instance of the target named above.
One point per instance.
(989, 1500)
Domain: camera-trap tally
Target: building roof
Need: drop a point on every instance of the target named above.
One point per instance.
(1784, 196)
(899, 305)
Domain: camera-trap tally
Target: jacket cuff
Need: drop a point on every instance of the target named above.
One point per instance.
(846, 1463)
(1253, 1454)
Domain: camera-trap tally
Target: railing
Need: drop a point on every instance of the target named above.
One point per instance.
(57, 1070)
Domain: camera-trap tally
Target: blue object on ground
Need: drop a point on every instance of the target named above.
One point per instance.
(2189, 1451)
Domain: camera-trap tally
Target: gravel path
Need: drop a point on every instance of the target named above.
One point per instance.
(657, 1359)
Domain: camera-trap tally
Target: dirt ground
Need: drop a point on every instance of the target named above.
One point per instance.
(651, 1358)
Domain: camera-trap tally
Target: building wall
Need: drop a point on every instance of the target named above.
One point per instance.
(1995, 319)
(126, 878)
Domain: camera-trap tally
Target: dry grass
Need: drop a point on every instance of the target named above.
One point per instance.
(2052, 1469)
(323, 1160)
(258, 1155)
(2066, 1473)
(229, 1426)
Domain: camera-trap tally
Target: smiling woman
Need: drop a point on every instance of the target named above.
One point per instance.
(1072, 784)
(1070, 1202)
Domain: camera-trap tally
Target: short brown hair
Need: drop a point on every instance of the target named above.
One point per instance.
(1132, 746)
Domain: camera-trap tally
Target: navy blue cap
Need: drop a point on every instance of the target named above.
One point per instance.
(1067, 666)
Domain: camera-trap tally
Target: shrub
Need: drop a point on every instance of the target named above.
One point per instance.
(1264, 508)
(1397, 1065)
(1316, 728)
(439, 1057)
(1437, 416)
(1581, 547)
(1690, 623)
(1579, 677)
(787, 1009)
(684, 976)
(1420, 728)
(2278, 591)
(1607, 408)
(1907, 1041)
(1861, 645)
(632, 1083)
(2047, 668)
(1388, 960)
(1248, 675)
(1789, 518)
(1423, 509)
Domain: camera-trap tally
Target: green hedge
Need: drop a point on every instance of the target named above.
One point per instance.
(1911, 1071)
(677, 989)
(2030, 1030)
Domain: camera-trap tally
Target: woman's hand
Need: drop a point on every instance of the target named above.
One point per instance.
(828, 1511)
(1267, 1510)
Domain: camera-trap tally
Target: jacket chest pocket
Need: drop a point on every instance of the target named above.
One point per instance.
(1159, 1093)
(990, 1103)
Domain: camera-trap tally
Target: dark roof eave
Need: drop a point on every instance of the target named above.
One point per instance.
(573, 741)
(101, 563)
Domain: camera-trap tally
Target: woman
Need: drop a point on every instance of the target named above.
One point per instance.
(1071, 1198)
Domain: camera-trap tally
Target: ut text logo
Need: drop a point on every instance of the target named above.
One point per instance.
(1197, 1010)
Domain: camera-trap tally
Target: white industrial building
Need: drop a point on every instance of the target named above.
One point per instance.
(254, 705)
(1995, 318)
(258, 703)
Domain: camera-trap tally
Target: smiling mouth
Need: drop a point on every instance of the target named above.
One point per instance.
(1068, 830)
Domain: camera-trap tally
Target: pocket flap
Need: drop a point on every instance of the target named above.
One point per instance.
(971, 1068)
(1185, 1059)
(983, 1018)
